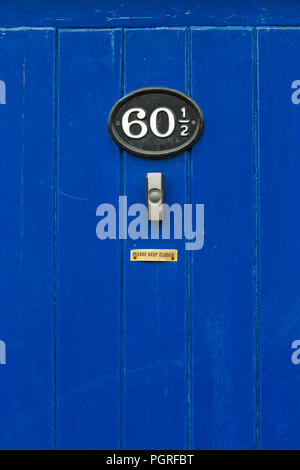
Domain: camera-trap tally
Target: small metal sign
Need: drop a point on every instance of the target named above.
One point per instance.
(155, 122)
(153, 255)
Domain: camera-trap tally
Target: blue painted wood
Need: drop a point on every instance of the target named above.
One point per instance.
(155, 349)
(149, 356)
(111, 13)
(279, 147)
(88, 270)
(26, 254)
(222, 293)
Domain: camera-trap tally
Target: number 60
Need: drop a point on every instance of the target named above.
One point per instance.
(141, 114)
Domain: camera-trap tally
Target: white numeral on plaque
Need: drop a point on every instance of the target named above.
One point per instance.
(141, 114)
(143, 129)
(153, 122)
(184, 130)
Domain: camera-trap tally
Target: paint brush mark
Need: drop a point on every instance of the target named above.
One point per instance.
(22, 162)
(112, 43)
(70, 196)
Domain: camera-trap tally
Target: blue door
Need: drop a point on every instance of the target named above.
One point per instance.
(97, 351)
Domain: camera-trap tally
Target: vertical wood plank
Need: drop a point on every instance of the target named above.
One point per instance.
(26, 253)
(279, 147)
(222, 305)
(88, 306)
(155, 395)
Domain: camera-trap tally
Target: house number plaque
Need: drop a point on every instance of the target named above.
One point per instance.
(155, 122)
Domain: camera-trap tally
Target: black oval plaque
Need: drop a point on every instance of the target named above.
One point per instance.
(155, 122)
